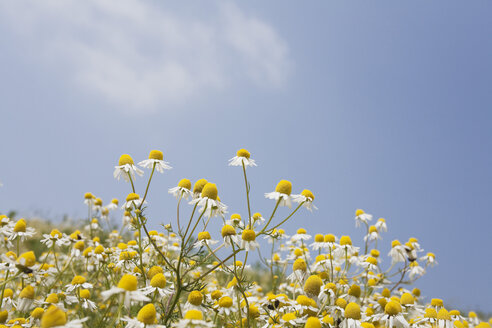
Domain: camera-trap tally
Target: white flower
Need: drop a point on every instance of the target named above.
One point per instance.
(126, 168)
(132, 200)
(282, 193)
(361, 217)
(155, 159)
(183, 190)
(381, 225)
(243, 157)
(306, 198)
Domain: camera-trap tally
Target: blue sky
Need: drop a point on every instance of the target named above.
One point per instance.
(382, 105)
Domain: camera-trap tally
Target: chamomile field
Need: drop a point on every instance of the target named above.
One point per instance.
(247, 273)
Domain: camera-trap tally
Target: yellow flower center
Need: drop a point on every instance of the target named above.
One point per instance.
(248, 235)
(407, 298)
(225, 302)
(88, 195)
(199, 185)
(85, 293)
(395, 243)
(352, 311)
(312, 322)
(345, 240)
(340, 302)
(210, 191)
(299, 264)
(235, 217)
(329, 320)
(27, 259)
(52, 298)
(354, 290)
(243, 153)
(37, 313)
(372, 260)
(20, 226)
(256, 216)
(53, 317)
(185, 183)
(289, 316)
(329, 238)
(147, 314)
(128, 282)
(27, 292)
(204, 235)
(156, 154)
(374, 253)
(436, 302)
(195, 297)
(313, 285)
(416, 292)
(367, 325)
(308, 194)
(284, 187)
(392, 308)
(158, 280)
(430, 313)
(443, 314)
(228, 230)
(359, 212)
(125, 159)
(194, 315)
(132, 196)
(78, 280)
(373, 229)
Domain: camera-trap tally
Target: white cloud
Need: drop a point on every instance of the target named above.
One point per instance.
(140, 55)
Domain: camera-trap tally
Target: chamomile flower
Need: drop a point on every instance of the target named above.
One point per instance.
(21, 231)
(127, 290)
(282, 193)
(397, 252)
(193, 318)
(362, 217)
(157, 285)
(126, 168)
(209, 201)
(415, 270)
(372, 234)
(146, 318)
(392, 316)
(430, 259)
(306, 198)
(230, 235)
(84, 295)
(55, 317)
(381, 225)
(352, 316)
(301, 235)
(133, 201)
(78, 282)
(243, 157)
(248, 240)
(204, 239)
(156, 159)
(183, 190)
(113, 205)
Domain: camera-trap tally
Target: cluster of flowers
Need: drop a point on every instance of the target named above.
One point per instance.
(188, 276)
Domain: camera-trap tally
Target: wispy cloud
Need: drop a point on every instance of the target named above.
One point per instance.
(143, 56)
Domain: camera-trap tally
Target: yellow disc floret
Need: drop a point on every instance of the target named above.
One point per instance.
(352, 311)
(156, 154)
(195, 298)
(128, 282)
(147, 314)
(125, 159)
(248, 235)
(243, 153)
(313, 284)
(53, 317)
(284, 187)
(210, 191)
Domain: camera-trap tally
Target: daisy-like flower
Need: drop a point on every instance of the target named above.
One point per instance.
(430, 259)
(54, 317)
(26, 299)
(319, 242)
(89, 199)
(444, 319)
(55, 237)
(126, 168)
(195, 300)
(146, 318)
(127, 289)
(300, 235)
(282, 193)
(306, 198)
(415, 270)
(291, 319)
(372, 234)
(242, 157)
(381, 225)
(230, 235)
(78, 282)
(371, 264)
(156, 158)
(21, 230)
(248, 240)
(397, 252)
(352, 316)
(299, 271)
(85, 294)
(157, 285)
(361, 217)
(204, 239)
(113, 205)
(193, 318)
(392, 316)
(183, 190)
(132, 201)
(210, 202)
